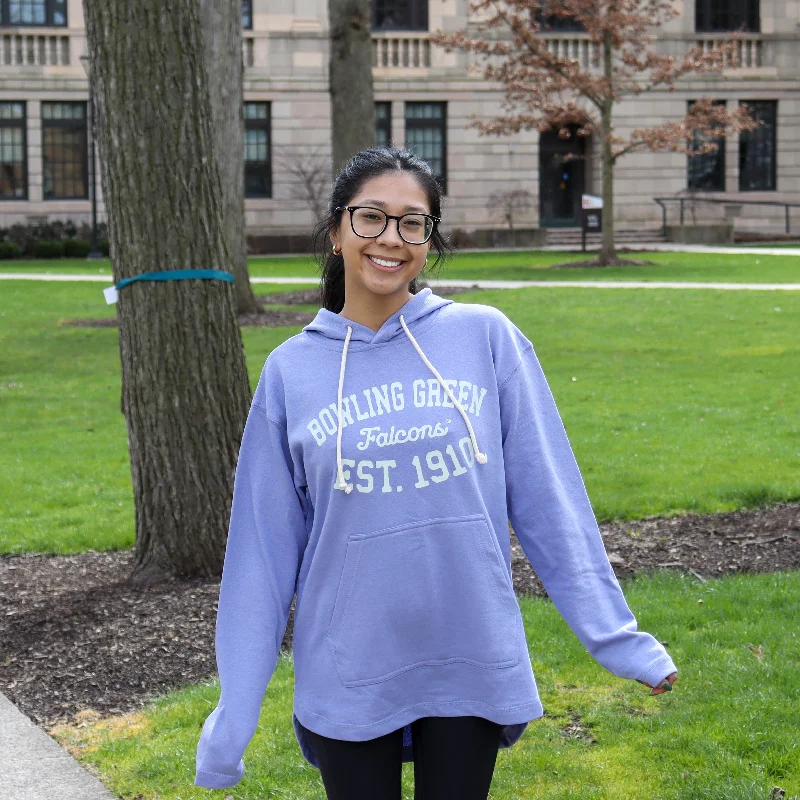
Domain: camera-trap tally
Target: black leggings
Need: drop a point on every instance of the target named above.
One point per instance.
(454, 759)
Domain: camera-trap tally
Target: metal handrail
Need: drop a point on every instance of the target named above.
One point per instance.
(725, 201)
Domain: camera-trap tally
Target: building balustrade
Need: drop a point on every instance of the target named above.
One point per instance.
(749, 49)
(401, 50)
(21, 48)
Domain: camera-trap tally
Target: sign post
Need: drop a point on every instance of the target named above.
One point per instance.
(591, 216)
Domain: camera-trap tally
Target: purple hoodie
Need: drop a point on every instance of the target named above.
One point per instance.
(377, 475)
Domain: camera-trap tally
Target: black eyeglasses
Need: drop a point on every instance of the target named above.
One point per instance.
(368, 223)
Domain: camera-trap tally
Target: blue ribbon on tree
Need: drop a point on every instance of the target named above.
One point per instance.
(111, 293)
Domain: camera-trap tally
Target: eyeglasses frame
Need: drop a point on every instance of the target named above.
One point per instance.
(351, 209)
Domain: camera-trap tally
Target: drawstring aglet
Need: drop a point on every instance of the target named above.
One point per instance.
(481, 458)
(348, 487)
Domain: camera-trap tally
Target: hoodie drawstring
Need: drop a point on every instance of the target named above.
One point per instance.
(340, 484)
(348, 487)
(479, 457)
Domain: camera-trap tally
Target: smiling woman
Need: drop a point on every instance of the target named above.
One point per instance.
(380, 494)
(382, 222)
(381, 259)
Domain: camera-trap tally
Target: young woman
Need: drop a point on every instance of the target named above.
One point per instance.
(387, 448)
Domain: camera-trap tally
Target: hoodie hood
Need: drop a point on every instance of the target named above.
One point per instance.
(334, 326)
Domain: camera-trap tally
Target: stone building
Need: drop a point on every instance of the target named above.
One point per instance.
(424, 99)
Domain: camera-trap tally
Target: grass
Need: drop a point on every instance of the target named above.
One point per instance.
(673, 400)
(727, 731)
(516, 265)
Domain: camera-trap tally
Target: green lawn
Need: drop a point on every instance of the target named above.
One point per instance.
(727, 732)
(673, 399)
(522, 265)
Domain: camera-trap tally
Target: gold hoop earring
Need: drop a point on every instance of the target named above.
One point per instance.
(335, 251)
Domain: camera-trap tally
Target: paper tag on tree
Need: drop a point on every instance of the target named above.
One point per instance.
(111, 295)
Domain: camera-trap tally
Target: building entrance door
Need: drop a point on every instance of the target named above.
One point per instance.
(561, 183)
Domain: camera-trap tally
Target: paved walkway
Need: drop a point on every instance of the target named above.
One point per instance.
(481, 284)
(34, 766)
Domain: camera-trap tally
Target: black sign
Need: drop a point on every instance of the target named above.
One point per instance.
(593, 220)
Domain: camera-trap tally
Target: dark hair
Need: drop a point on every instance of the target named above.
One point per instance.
(361, 168)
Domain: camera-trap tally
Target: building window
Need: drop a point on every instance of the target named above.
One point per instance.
(47, 13)
(383, 124)
(552, 23)
(720, 16)
(13, 158)
(65, 160)
(426, 135)
(257, 161)
(758, 149)
(400, 15)
(247, 15)
(706, 172)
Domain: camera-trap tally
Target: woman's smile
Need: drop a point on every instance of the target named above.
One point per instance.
(385, 264)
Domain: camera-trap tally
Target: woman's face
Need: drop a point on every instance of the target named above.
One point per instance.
(395, 193)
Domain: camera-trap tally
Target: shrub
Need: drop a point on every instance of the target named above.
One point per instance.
(10, 250)
(26, 236)
(76, 248)
(48, 249)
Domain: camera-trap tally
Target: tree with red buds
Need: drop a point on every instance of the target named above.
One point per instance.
(548, 86)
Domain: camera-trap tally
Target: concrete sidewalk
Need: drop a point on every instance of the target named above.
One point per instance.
(34, 766)
(481, 284)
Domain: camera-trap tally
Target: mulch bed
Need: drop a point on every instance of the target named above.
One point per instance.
(78, 635)
(269, 317)
(612, 262)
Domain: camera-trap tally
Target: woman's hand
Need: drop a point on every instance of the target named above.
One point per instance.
(664, 686)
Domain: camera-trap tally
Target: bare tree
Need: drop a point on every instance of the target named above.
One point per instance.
(222, 31)
(311, 171)
(185, 391)
(350, 77)
(559, 89)
(510, 203)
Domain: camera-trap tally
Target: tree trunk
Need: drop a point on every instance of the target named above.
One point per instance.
(185, 391)
(222, 31)
(607, 251)
(350, 76)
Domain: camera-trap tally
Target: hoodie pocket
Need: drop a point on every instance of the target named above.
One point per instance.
(423, 594)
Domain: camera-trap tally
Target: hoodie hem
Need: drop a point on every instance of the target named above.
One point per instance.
(504, 715)
(511, 731)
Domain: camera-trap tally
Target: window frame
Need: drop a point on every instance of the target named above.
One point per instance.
(384, 124)
(14, 124)
(756, 136)
(720, 154)
(50, 7)
(418, 19)
(82, 125)
(707, 14)
(257, 123)
(439, 123)
(248, 6)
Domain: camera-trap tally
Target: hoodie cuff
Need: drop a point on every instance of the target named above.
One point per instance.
(218, 780)
(658, 671)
